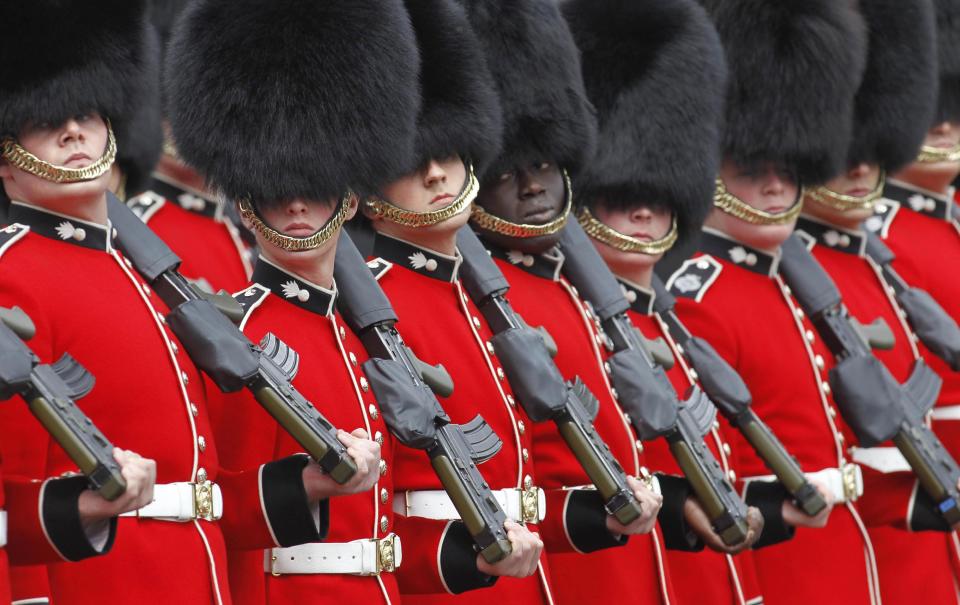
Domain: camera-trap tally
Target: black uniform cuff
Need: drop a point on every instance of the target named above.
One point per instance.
(60, 513)
(458, 561)
(924, 514)
(285, 503)
(768, 497)
(677, 535)
(585, 519)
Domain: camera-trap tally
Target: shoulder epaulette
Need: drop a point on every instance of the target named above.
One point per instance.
(694, 277)
(146, 205)
(250, 299)
(10, 235)
(884, 212)
(379, 267)
(808, 240)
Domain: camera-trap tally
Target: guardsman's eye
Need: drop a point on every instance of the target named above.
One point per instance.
(543, 166)
(506, 176)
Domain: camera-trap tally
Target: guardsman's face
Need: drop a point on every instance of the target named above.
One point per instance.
(296, 218)
(532, 195)
(76, 143)
(766, 187)
(857, 181)
(936, 177)
(644, 222)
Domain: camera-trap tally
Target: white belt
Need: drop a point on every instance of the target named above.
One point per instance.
(946, 412)
(183, 502)
(844, 484)
(524, 505)
(3, 528)
(360, 558)
(882, 459)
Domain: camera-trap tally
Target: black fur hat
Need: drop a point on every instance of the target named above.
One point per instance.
(63, 57)
(536, 66)
(655, 72)
(896, 101)
(280, 99)
(460, 112)
(948, 58)
(795, 66)
(140, 136)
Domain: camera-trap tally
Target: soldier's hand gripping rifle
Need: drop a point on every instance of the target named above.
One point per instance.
(526, 355)
(406, 390)
(726, 389)
(50, 392)
(871, 401)
(220, 349)
(646, 393)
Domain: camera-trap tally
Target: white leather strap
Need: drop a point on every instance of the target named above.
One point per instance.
(845, 484)
(3, 528)
(946, 412)
(436, 504)
(359, 558)
(182, 502)
(882, 459)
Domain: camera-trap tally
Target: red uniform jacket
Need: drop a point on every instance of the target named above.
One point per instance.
(440, 323)
(199, 231)
(638, 569)
(732, 296)
(913, 566)
(303, 316)
(86, 300)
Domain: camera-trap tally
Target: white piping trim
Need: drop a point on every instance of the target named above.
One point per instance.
(24, 229)
(43, 526)
(263, 507)
(264, 295)
(693, 261)
(213, 563)
(911, 503)
(443, 537)
(566, 530)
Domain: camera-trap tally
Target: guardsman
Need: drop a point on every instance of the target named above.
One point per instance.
(296, 196)
(60, 265)
(649, 185)
(793, 74)
(894, 106)
(416, 218)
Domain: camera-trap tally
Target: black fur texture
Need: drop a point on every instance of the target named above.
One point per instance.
(534, 61)
(460, 112)
(140, 137)
(896, 101)
(655, 72)
(794, 66)
(282, 99)
(64, 57)
(948, 58)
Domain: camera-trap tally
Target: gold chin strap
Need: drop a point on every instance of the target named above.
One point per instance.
(483, 219)
(20, 158)
(613, 238)
(935, 155)
(411, 218)
(845, 203)
(734, 206)
(299, 244)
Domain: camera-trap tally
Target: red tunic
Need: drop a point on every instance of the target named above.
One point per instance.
(913, 566)
(302, 315)
(732, 296)
(85, 299)
(638, 569)
(442, 326)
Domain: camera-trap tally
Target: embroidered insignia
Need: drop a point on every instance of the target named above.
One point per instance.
(921, 203)
(145, 205)
(291, 289)
(835, 238)
(188, 201)
(884, 213)
(66, 231)
(739, 255)
(418, 260)
(684, 283)
(694, 277)
(250, 299)
(519, 258)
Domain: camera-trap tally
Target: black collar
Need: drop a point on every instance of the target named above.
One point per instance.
(293, 289)
(837, 238)
(641, 299)
(546, 265)
(419, 260)
(920, 200)
(62, 227)
(186, 197)
(726, 248)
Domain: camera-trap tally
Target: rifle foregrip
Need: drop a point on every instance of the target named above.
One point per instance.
(943, 490)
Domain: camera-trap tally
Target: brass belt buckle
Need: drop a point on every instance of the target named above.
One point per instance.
(203, 500)
(386, 554)
(273, 565)
(530, 504)
(848, 473)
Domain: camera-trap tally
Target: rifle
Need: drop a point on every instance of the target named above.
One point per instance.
(870, 400)
(220, 349)
(730, 394)
(50, 393)
(645, 391)
(526, 355)
(406, 389)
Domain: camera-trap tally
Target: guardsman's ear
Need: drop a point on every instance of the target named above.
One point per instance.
(353, 203)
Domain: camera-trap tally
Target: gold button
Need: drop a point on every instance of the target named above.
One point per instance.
(161, 318)
(146, 290)
(511, 400)
(353, 358)
(799, 313)
(383, 467)
(489, 347)
(343, 333)
(626, 418)
(787, 290)
(527, 482)
(127, 262)
(575, 291)
(184, 378)
(525, 454)
(679, 348)
(732, 476)
(693, 375)
(615, 394)
(476, 321)
(832, 412)
(364, 384)
(639, 445)
(373, 412)
(809, 335)
(607, 368)
(500, 373)
(716, 425)
(819, 361)
(521, 427)
(384, 496)
(840, 439)
(378, 437)
(194, 410)
(201, 475)
(384, 523)
(825, 387)
(202, 443)
(726, 449)
(175, 348)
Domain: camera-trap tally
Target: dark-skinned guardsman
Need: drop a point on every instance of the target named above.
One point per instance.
(894, 108)
(793, 73)
(58, 150)
(649, 185)
(338, 117)
(416, 218)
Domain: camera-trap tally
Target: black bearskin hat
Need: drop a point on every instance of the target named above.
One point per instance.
(654, 71)
(895, 103)
(140, 136)
(948, 58)
(460, 112)
(794, 67)
(63, 57)
(535, 63)
(282, 99)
